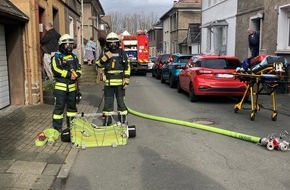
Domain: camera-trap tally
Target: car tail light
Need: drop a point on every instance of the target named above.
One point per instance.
(203, 71)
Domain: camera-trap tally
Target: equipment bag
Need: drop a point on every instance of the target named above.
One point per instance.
(65, 135)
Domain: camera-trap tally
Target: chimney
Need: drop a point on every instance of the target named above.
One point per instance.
(174, 2)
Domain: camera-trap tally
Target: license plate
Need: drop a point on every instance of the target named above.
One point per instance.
(224, 76)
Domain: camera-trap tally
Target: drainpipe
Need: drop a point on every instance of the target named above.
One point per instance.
(28, 67)
(39, 58)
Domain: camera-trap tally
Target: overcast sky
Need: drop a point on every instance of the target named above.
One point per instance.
(159, 7)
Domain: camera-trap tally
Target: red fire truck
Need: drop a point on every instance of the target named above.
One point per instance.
(137, 49)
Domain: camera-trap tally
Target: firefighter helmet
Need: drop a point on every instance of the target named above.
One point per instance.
(112, 41)
(66, 38)
(112, 37)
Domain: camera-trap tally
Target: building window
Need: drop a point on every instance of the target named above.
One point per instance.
(283, 34)
(71, 26)
(173, 22)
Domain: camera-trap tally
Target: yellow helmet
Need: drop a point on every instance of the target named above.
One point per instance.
(66, 38)
(112, 37)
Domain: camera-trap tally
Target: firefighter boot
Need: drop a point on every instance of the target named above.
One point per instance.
(107, 120)
(122, 118)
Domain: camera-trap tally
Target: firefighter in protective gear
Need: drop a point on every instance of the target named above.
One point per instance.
(66, 69)
(116, 66)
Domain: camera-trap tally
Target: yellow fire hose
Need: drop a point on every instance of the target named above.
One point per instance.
(271, 142)
(198, 126)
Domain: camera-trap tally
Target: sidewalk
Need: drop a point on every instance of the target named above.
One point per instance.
(25, 166)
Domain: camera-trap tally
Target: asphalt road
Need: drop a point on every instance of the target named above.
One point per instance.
(167, 156)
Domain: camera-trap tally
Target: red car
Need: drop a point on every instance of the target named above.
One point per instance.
(210, 75)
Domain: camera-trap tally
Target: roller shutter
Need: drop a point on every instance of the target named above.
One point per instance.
(4, 86)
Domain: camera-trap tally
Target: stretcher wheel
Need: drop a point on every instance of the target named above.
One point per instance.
(274, 116)
(252, 117)
(236, 109)
(131, 131)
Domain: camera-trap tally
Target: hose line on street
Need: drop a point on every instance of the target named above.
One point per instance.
(198, 126)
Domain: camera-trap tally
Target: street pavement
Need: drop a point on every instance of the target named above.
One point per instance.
(25, 166)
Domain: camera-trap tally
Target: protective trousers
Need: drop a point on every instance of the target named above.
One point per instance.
(63, 99)
(110, 92)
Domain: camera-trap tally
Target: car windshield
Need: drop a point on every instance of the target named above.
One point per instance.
(182, 59)
(153, 59)
(164, 58)
(220, 63)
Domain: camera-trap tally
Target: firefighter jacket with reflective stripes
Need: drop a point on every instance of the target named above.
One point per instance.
(63, 67)
(116, 67)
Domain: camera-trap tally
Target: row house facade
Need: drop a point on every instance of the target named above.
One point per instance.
(22, 27)
(155, 40)
(95, 24)
(225, 32)
(25, 75)
(271, 19)
(218, 27)
(176, 25)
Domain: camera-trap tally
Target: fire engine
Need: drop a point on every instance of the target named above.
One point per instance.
(137, 49)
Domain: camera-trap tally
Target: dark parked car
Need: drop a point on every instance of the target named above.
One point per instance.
(171, 70)
(157, 67)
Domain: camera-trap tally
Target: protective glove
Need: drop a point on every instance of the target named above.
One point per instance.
(108, 55)
(126, 83)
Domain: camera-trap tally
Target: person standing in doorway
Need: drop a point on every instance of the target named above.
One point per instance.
(254, 42)
(49, 45)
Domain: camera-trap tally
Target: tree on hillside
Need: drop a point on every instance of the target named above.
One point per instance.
(132, 22)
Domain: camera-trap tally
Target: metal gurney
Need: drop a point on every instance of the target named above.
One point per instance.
(261, 78)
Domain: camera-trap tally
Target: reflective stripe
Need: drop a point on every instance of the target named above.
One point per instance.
(55, 116)
(65, 87)
(123, 112)
(60, 84)
(108, 112)
(128, 71)
(114, 82)
(98, 63)
(70, 114)
(62, 72)
(115, 71)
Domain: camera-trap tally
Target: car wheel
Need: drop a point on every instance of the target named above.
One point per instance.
(157, 76)
(192, 96)
(153, 73)
(172, 83)
(162, 80)
(179, 90)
